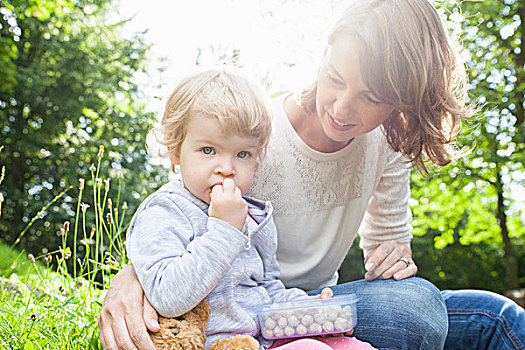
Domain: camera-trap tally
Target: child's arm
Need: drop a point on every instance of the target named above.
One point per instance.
(275, 287)
(177, 269)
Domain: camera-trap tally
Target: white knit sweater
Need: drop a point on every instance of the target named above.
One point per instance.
(322, 200)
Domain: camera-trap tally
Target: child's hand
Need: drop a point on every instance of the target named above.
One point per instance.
(327, 293)
(227, 204)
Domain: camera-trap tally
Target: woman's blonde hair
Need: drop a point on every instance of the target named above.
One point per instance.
(408, 60)
(235, 99)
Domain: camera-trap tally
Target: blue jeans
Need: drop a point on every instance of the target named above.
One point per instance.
(483, 320)
(406, 314)
(412, 314)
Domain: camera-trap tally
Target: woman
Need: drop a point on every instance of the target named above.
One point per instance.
(390, 93)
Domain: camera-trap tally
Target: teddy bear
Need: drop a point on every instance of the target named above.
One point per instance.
(188, 332)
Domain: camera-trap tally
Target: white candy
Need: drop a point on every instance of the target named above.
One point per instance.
(293, 321)
(319, 317)
(347, 312)
(301, 329)
(268, 333)
(340, 324)
(315, 328)
(313, 310)
(282, 322)
(278, 332)
(277, 315)
(331, 313)
(299, 313)
(328, 326)
(269, 323)
(307, 320)
(289, 331)
(349, 324)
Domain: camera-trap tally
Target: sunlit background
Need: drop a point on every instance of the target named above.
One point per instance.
(280, 42)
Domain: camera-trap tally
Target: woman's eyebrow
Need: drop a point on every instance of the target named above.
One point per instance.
(332, 68)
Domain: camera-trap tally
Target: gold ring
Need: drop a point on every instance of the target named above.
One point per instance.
(406, 261)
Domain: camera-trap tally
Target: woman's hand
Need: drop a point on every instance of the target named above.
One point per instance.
(390, 260)
(126, 313)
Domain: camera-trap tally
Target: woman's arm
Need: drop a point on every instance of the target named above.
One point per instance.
(385, 231)
(126, 314)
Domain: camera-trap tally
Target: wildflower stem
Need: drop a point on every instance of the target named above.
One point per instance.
(27, 334)
(75, 234)
(38, 214)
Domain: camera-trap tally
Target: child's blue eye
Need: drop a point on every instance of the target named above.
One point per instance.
(207, 150)
(243, 154)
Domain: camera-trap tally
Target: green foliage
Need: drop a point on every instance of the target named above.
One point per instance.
(45, 308)
(456, 209)
(67, 88)
(465, 209)
(467, 232)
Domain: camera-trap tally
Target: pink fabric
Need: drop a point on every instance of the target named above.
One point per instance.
(319, 343)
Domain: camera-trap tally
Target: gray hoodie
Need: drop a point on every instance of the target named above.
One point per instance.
(181, 256)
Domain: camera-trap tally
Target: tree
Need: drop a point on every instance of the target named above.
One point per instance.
(470, 202)
(69, 89)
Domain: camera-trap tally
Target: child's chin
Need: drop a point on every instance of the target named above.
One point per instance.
(206, 199)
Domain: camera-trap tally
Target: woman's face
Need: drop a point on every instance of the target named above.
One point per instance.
(346, 108)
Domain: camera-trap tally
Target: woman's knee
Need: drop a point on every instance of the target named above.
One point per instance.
(410, 312)
(421, 301)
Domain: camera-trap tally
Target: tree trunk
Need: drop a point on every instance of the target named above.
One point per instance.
(510, 259)
(520, 71)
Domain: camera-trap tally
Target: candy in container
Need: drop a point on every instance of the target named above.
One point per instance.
(308, 317)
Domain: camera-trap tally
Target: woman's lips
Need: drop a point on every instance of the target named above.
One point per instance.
(339, 125)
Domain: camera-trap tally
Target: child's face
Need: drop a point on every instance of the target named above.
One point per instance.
(207, 157)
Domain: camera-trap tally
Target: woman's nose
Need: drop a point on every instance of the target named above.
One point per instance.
(343, 104)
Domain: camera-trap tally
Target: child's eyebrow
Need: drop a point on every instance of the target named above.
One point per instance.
(248, 145)
(202, 141)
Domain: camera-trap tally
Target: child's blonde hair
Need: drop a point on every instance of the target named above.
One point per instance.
(408, 60)
(237, 101)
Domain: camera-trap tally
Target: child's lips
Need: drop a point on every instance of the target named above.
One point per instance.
(215, 184)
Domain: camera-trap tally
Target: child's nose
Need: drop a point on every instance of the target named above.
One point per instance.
(225, 168)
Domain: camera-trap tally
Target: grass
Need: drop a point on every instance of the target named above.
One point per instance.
(43, 309)
(46, 305)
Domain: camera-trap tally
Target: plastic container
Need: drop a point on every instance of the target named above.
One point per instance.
(308, 317)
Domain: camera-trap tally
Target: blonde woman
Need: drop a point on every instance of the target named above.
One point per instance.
(390, 94)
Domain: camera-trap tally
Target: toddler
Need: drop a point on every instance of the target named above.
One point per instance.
(203, 239)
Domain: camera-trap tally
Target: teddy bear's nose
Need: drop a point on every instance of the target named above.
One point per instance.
(175, 330)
